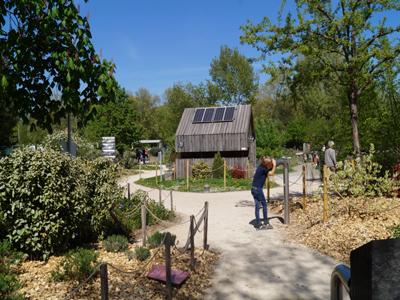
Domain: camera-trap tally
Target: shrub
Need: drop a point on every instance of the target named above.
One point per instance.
(9, 281)
(142, 253)
(238, 172)
(218, 166)
(116, 243)
(394, 231)
(396, 183)
(127, 160)
(76, 265)
(155, 240)
(129, 254)
(201, 170)
(174, 156)
(49, 200)
(53, 141)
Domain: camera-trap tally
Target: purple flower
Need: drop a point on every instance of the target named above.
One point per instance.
(167, 214)
(162, 210)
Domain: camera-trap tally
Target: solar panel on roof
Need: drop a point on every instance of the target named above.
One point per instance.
(229, 113)
(198, 116)
(208, 116)
(219, 114)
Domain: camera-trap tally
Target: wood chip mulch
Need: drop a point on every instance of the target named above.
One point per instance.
(345, 230)
(35, 274)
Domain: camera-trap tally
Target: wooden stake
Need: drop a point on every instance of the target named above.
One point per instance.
(192, 242)
(224, 174)
(352, 164)
(268, 189)
(156, 173)
(129, 191)
(174, 171)
(104, 282)
(187, 173)
(140, 171)
(168, 279)
(205, 226)
(325, 195)
(172, 202)
(248, 169)
(304, 187)
(144, 223)
(159, 201)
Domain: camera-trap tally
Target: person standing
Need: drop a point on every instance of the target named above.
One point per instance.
(143, 154)
(266, 168)
(330, 157)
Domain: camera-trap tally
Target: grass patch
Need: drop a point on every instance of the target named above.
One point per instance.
(197, 185)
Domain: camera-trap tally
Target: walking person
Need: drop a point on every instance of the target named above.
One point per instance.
(266, 168)
(143, 154)
(330, 158)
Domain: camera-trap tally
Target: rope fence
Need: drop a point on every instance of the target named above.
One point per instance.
(194, 227)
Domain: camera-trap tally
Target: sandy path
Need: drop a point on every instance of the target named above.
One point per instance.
(255, 264)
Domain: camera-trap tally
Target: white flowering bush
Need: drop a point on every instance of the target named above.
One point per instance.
(53, 141)
(362, 186)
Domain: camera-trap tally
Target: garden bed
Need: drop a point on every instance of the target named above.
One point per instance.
(345, 230)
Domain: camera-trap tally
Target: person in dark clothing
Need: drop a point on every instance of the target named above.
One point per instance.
(143, 153)
(138, 155)
(266, 168)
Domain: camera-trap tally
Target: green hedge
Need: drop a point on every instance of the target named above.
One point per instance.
(48, 199)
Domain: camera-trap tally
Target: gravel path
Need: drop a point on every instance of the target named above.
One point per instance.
(255, 264)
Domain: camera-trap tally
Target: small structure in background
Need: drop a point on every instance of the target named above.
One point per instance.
(202, 132)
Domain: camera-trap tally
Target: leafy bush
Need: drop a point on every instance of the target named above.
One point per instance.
(155, 240)
(48, 200)
(154, 151)
(396, 183)
(218, 166)
(53, 141)
(142, 253)
(174, 156)
(91, 154)
(9, 281)
(76, 265)
(127, 160)
(201, 170)
(394, 231)
(116, 243)
(238, 172)
(129, 254)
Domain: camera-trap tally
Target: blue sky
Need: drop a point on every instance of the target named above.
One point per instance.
(157, 43)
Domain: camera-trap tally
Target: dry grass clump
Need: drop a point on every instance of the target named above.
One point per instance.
(34, 275)
(345, 230)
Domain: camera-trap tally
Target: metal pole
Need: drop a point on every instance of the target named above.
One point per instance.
(286, 188)
(205, 226)
(104, 282)
(168, 277)
(156, 173)
(160, 161)
(325, 195)
(192, 242)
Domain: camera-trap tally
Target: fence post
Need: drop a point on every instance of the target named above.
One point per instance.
(248, 169)
(140, 171)
(304, 187)
(172, 203)
(144, 223)
(205, 226)
(187, 173)
(224, 174)
(104, 282)
(268, 188)
(325, 195)
(168, 279)
(156, 173)
(352, 164)
(174, 171)
(159, 201)
(192, 242)
(129, 191)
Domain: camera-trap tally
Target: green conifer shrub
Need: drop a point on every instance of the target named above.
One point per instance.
(201, 170)
(218, 166)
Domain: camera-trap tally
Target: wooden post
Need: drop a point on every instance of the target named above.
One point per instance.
(140, 171)
(156, 173)
(205, 226)
(304, 187)
(248, 169)
(268, 189)
(168, 279)
(224, 174)
(159, 201)
(129, 191)
(144, 225)
(172, 202)
(104, 282)
(192, 242)
(325, 195)
(352, 164)
(174, 171)
(187, 173)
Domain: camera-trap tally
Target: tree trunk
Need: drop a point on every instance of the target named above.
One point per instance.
(352, 97)
(126, 232)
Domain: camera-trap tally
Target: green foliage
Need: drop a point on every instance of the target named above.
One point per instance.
(59, 54)
(155, 240)
(234, 81)
(268, 137)
(116, 243)
(53, 141)
(8, 130)
(174, 156)
(218, 166)
(127, 160)
(154, 151)
(129, 254)
(142, 253)
(9, 281)
(201, 170)
(48, 200)
(76, 265)
(394, 231)
(363, 183)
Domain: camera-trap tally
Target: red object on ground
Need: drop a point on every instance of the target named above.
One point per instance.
(159, 273)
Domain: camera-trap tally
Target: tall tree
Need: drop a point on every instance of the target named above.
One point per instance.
(343, 43)
(46, 45)
(233, 79)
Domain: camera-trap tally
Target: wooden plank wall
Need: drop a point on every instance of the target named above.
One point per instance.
(181, 164)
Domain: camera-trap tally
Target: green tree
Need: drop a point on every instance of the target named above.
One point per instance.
(8, 134)
(269, 139)
(46, 45)
(233, 80)
(343, 45)
(118, 119)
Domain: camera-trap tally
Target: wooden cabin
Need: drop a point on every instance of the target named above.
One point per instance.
(202, 132)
